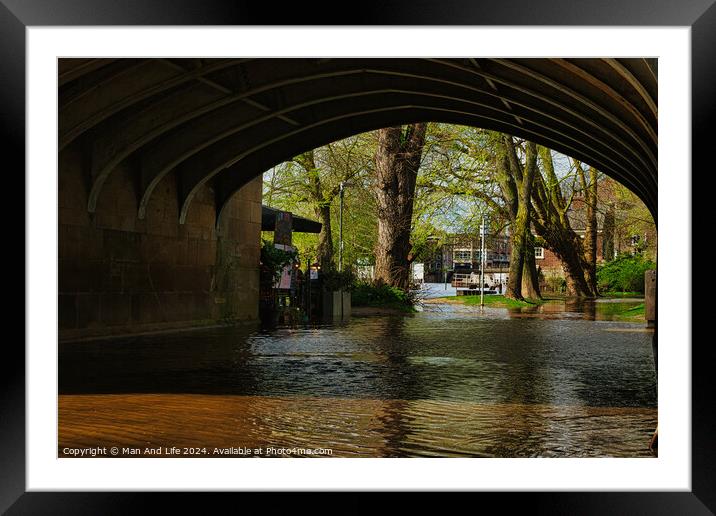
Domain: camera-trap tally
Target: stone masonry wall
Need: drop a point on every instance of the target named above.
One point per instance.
(121, 275)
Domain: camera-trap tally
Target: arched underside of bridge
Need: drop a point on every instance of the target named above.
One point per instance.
(160, 160)
(219, 123)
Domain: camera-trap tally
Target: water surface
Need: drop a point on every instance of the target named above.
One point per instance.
(449, 381)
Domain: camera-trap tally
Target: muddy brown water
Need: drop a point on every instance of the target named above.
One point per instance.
(446, 382)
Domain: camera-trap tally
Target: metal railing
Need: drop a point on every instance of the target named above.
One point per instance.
(471, 280)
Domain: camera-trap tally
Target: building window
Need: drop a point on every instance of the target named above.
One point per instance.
(462, 255)
(539, 253)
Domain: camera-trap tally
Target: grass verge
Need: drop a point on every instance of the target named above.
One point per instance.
(621, 294)
(497, 301)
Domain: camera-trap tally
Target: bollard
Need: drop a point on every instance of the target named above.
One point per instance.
(650, 298)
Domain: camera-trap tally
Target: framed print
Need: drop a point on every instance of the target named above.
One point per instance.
(228, 81)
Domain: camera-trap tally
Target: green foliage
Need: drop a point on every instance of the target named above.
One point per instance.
(496, 300)
(610, 294)
(275, 259)
(624, 274)
(555, 283)
(457, 184)
(311, 181)
(377, 293)
(631, 218)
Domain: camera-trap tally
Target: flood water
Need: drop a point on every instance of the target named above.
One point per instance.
(448, 381)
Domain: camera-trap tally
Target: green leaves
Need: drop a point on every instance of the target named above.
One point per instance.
(379, 294)
(624, 274)
(276, 259)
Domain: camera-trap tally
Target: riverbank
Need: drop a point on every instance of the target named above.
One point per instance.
(614, 309)
(630, 295)
(496, 301)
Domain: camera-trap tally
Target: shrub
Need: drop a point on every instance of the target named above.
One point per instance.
(334, 280)
(377, 293)
(274, 260)
(555, 283)
(623, 274)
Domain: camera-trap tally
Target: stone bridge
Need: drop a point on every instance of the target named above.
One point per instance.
(161, 159)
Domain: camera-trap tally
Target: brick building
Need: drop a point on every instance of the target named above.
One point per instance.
(551, 268)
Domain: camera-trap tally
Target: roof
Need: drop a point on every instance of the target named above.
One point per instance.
(300, 224)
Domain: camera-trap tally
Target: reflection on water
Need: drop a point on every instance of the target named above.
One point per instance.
(571, 308)
(444, 382)
(354, 427)
(575, 308)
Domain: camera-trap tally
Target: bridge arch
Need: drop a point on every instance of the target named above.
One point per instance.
(222, 122)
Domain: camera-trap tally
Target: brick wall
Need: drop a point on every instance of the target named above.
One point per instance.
(552, 265)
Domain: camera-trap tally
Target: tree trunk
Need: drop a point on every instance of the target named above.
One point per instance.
(325, 238)
(574, 274)
(552, 224)
(530, 278)
(520, 237)
(322, 208)
(517, 260)
(397, 160)
(608, 234)
(590, 234)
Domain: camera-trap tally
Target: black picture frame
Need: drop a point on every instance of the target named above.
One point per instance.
(17, 15)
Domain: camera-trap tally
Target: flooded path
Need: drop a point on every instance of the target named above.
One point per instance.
(449, 381)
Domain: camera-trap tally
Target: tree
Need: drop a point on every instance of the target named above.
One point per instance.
(322, 206)
(590, 232)
(631, 219)
(397, 160)
(551, 222)
(309, 184)
(516, 180)
(608, 233)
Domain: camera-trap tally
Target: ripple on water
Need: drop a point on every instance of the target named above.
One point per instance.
(356, 427)
(448, 383)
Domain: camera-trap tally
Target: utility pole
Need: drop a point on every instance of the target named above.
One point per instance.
(482, 264)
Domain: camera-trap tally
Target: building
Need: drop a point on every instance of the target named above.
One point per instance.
(457, 259)
(623, 226)
(550, 267)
